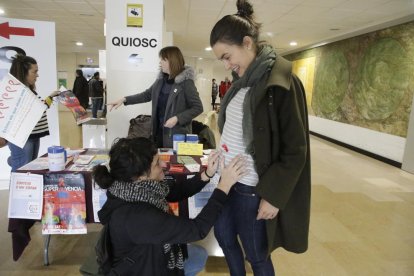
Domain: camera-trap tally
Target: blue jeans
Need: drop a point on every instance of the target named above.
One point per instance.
(22, 156)
(197, 258)
(96, 105)
(238, 218)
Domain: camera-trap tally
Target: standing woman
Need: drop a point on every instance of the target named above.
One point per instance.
(174, 96)
(264, 116)
(25, 69)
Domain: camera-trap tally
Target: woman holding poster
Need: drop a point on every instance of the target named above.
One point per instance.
(25, 69)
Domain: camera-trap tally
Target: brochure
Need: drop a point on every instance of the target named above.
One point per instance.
(68, 99)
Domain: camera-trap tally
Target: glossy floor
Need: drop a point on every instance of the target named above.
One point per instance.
(361, 224)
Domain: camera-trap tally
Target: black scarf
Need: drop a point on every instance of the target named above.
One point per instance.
(255, 77)
(154, 193)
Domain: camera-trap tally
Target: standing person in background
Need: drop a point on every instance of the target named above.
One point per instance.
(174, 96)
(214, 92)
(81, 89)
(222, 89)
(226, 85)
(25, 69)
(263, 116)
(96, 93)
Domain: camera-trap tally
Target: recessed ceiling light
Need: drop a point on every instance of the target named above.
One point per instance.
(208, 49)
(200, 58)
(79, 43)
(1, 11)
(293, 43)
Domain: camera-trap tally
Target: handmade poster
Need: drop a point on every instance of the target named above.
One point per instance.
(20, 110)
(68, 99)
(64, 207)
(25, 197)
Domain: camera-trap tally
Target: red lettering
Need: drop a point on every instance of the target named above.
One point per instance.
(11, 82)
(5, 96)
(2, 105)
(9, 89)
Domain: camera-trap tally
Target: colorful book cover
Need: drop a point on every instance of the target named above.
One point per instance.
(68, 99)
(64, 206)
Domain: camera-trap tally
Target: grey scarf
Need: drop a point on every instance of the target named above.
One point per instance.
(154, 193)
(255, 77)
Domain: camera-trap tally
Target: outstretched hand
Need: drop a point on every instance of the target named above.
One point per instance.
(116, 104)
(232, 173)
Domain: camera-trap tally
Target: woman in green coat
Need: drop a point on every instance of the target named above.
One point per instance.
(263, 116)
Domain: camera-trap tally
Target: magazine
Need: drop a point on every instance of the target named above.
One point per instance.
(68, 99)
(64, 207)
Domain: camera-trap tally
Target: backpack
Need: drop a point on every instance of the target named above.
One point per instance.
(141, 126)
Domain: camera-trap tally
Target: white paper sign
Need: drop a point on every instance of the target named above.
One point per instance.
(20, 110)
(26, 196)
(98, 200)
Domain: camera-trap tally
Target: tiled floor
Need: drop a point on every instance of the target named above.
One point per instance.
(361, 224)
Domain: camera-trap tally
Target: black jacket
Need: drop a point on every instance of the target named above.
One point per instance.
(81, 91)
(144, 229)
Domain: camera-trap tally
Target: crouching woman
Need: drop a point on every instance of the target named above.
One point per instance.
(141, 225)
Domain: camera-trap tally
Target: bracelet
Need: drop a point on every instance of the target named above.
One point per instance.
(48, 101)
(210, 177)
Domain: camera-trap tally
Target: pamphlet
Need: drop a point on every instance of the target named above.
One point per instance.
(26, 196)
(68, 99)
(197, 202)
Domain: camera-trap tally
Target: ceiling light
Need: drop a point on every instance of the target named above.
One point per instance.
(1, 11)
(79, 43)
(200, 58)
(293, 43)
(208, 49)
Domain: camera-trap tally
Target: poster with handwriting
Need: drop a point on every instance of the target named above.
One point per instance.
(20, 110)
(26, 196)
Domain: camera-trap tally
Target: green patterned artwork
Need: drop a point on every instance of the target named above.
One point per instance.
(383, 78)
(366, 81)
(331, 83)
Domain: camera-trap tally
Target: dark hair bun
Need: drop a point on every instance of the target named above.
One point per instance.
(244, 8)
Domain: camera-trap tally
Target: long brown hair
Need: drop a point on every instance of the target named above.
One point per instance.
(175, 59)
(20, 67)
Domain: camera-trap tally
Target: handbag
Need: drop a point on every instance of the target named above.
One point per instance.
(140, 126)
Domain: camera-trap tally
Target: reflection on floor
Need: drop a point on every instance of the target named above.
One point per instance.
(361, 224)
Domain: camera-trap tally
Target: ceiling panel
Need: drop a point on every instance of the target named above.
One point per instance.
(306, 21)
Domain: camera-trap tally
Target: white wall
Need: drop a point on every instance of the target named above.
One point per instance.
(382, 144)
(121, 83)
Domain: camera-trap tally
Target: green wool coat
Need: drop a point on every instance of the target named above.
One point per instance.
(282, 157)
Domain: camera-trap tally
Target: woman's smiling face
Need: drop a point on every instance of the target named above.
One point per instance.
(235, 57)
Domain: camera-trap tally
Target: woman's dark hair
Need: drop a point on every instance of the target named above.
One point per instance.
(20, 67)
(79, 72)
(231, 29)
(128, 158)
(175, 59)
